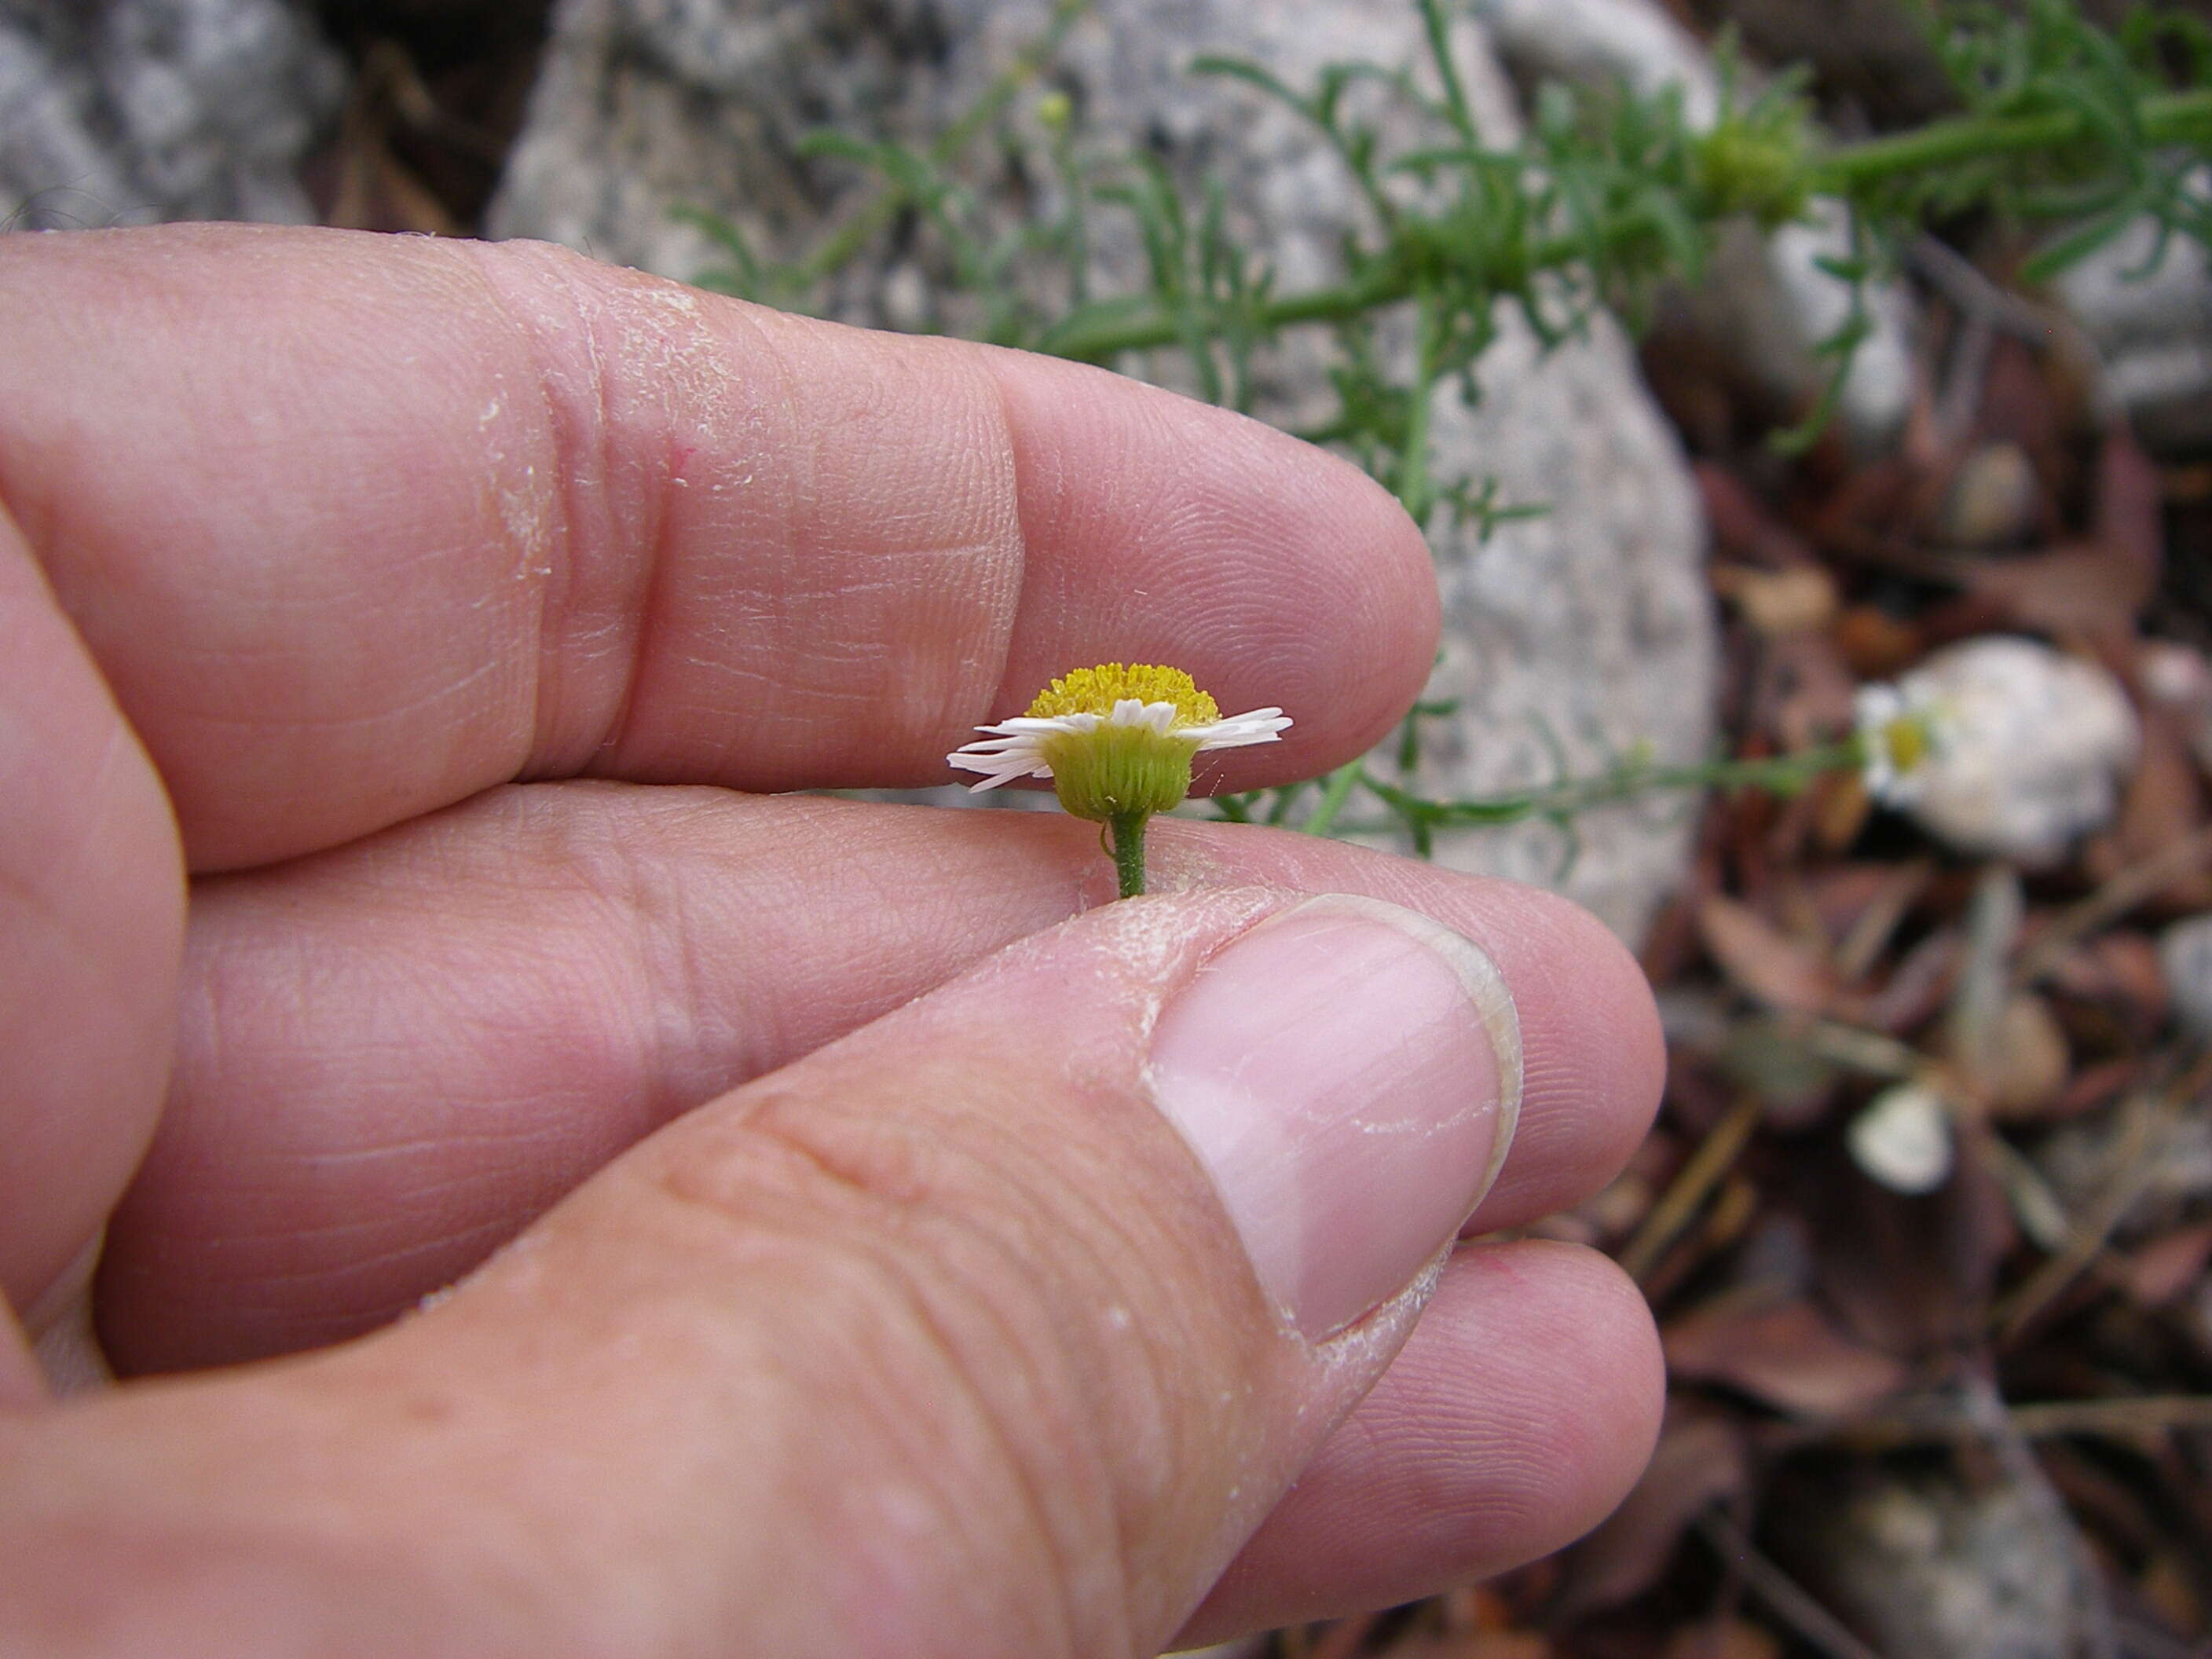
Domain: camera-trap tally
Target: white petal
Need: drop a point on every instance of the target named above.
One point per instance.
(1875, 706)
(998, 769)
(1131, 711)
(1260, 725)
(1028, 726)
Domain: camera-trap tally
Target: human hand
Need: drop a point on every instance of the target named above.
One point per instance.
(910, 1323)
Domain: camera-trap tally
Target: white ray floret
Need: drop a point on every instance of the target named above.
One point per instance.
(1017, 747)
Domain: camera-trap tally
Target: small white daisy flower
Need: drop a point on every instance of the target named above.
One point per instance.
(1901, 727)
(1116, 740)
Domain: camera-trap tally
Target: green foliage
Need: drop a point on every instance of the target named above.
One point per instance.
(2062, 121)
(1608, 195)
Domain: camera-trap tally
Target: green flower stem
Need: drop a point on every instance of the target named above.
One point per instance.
(1127, 831)
(1340, 785)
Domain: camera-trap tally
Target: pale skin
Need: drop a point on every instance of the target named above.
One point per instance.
(371, 611)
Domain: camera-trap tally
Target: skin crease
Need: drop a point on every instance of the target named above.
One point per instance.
(629, 532)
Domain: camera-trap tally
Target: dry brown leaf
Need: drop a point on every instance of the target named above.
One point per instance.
(1919, 986)
(2131, 512)
(1781, 1352)
(1730, 1638)
(1485, 1644)
(2090, 590)
(1841, 807)
(1741, 524)
(1761, 960)
(1699, 1461)
(2027, 1060)
(2022, 403)
(2119, 971)
(2168, 1582)
(2097, 1085)
(2168, 1265)
(1778, 602)
(1474, 1626)
(2163, 807)
(1875, 644)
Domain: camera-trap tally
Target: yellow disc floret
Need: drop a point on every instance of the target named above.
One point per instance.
(1907, 739)
(1096, 690)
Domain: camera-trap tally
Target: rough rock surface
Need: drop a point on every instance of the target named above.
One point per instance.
(1578, 633)
(1770, 300)
(2184, 951)
(2148, 311)
(1925, 1567)
(129, 112)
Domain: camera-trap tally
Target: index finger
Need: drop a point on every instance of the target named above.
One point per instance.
(356, 526)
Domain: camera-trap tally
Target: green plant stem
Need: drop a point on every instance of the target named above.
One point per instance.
(1413, 480)
(1127, 831)
(1149, 327)
(2167, 118)
(1781, 772)
(1439, 32)
(1341, 784)
(878, 210)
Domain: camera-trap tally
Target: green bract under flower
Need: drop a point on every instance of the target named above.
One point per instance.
(1116, 740)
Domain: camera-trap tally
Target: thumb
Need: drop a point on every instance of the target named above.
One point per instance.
(996, 1327)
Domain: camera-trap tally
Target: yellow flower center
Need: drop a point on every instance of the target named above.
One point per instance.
(1906, 739)
(1115, 772)
(1096, 690)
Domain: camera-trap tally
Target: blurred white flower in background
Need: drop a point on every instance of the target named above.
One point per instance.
(2001, 747)
(1900, 731)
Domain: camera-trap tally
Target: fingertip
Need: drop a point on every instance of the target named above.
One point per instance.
(1594, 1059)
(22, 1385)
(1597, 1064)
(1595, 1399)
(1519, 1414)
(1278, 573)
(1538, 1438)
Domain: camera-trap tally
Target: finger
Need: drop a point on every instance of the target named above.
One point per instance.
(1473, 1455)
(396, 1055)
(21, 1385)
(999, 1323)
(91, 926)
(402, 519)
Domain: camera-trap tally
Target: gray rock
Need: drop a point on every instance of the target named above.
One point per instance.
(2184, 951)
(1924, 1567)
(130, 111)
(2178, 679)
(1769, 300)
(2148, 313)
(1569, 637)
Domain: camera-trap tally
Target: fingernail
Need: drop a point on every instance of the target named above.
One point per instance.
(1349, 1073)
